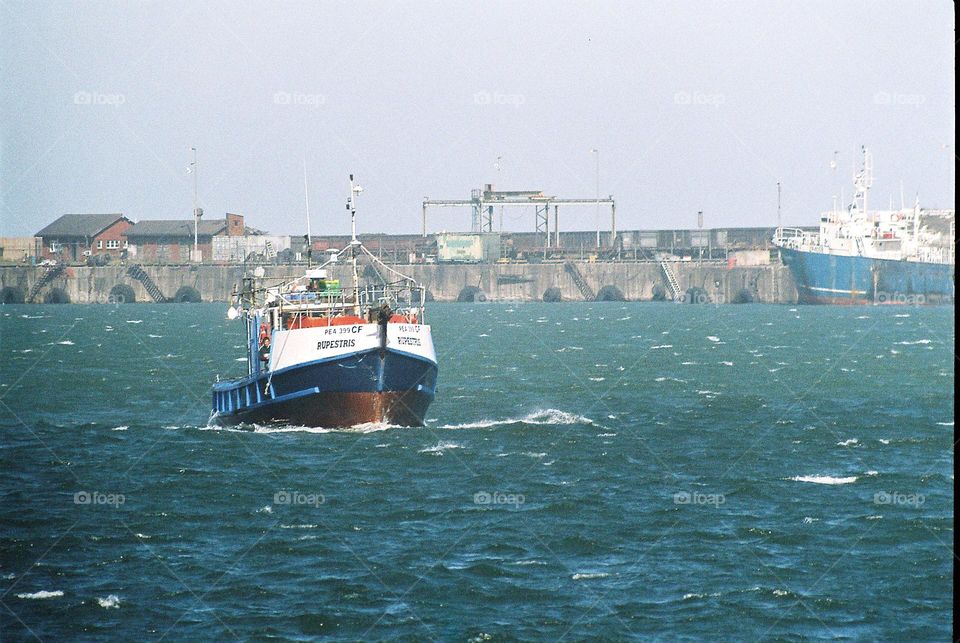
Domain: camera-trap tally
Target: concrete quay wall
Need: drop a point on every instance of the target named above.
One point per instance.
(708, 282)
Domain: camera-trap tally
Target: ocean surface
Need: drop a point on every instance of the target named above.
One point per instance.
(589, 471)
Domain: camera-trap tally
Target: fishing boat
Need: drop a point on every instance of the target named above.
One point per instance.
(859, 256)
(323, 355)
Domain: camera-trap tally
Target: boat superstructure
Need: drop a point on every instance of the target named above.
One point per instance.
(321, 354)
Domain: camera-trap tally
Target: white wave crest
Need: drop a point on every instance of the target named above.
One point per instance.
(537, 418)
(589, 576)
(825, 479)
(440, 447)
(919, 341)
(41, 594)
(110, 601)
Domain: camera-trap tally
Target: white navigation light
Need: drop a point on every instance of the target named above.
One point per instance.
(232, 313)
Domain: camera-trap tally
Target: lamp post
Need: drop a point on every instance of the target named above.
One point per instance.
(197, 212)
(597, 215)
(498, 166)
(700, 239)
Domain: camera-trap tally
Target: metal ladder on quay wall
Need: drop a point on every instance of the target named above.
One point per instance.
(137, 272)
(51, 273)
(671, 280)
(585, 290)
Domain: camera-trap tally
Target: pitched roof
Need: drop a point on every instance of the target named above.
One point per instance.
(170, 228)
(80, 225)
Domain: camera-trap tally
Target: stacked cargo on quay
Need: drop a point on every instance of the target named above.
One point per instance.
(903, 256)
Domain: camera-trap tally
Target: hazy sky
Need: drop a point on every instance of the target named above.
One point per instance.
(693, 105)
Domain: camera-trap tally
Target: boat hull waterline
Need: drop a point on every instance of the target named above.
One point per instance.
(837, 279)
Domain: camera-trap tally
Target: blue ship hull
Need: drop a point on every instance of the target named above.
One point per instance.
(387, 386)
(833, 279)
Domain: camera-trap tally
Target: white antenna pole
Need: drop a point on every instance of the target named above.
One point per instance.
(306, 198)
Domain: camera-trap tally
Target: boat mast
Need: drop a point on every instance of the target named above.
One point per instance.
(354, 243)
(863, 182)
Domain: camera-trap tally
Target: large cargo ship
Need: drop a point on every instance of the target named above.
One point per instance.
(903, 256)
(322, 355)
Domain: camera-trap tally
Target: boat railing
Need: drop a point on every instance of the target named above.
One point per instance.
(795, 238)
(400, 296)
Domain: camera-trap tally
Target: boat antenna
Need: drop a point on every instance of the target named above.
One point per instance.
(306, 198)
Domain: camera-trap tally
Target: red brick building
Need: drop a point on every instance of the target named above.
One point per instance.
(73, 237)
(169, 241)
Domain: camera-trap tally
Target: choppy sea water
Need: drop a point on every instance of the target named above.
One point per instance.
(616, 470)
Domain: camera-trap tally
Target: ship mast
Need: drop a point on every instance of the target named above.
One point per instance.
(863, 182)
(354, 243)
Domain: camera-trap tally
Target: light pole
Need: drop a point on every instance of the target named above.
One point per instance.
(597, 215)
(700, 227)
(195, 168)
(498, 166)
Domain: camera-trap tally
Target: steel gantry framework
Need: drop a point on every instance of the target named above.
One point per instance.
(482, 203)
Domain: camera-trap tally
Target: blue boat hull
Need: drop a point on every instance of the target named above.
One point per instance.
(833, 279)
(392, 387)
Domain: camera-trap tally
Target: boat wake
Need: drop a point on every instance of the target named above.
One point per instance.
(367, 427)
